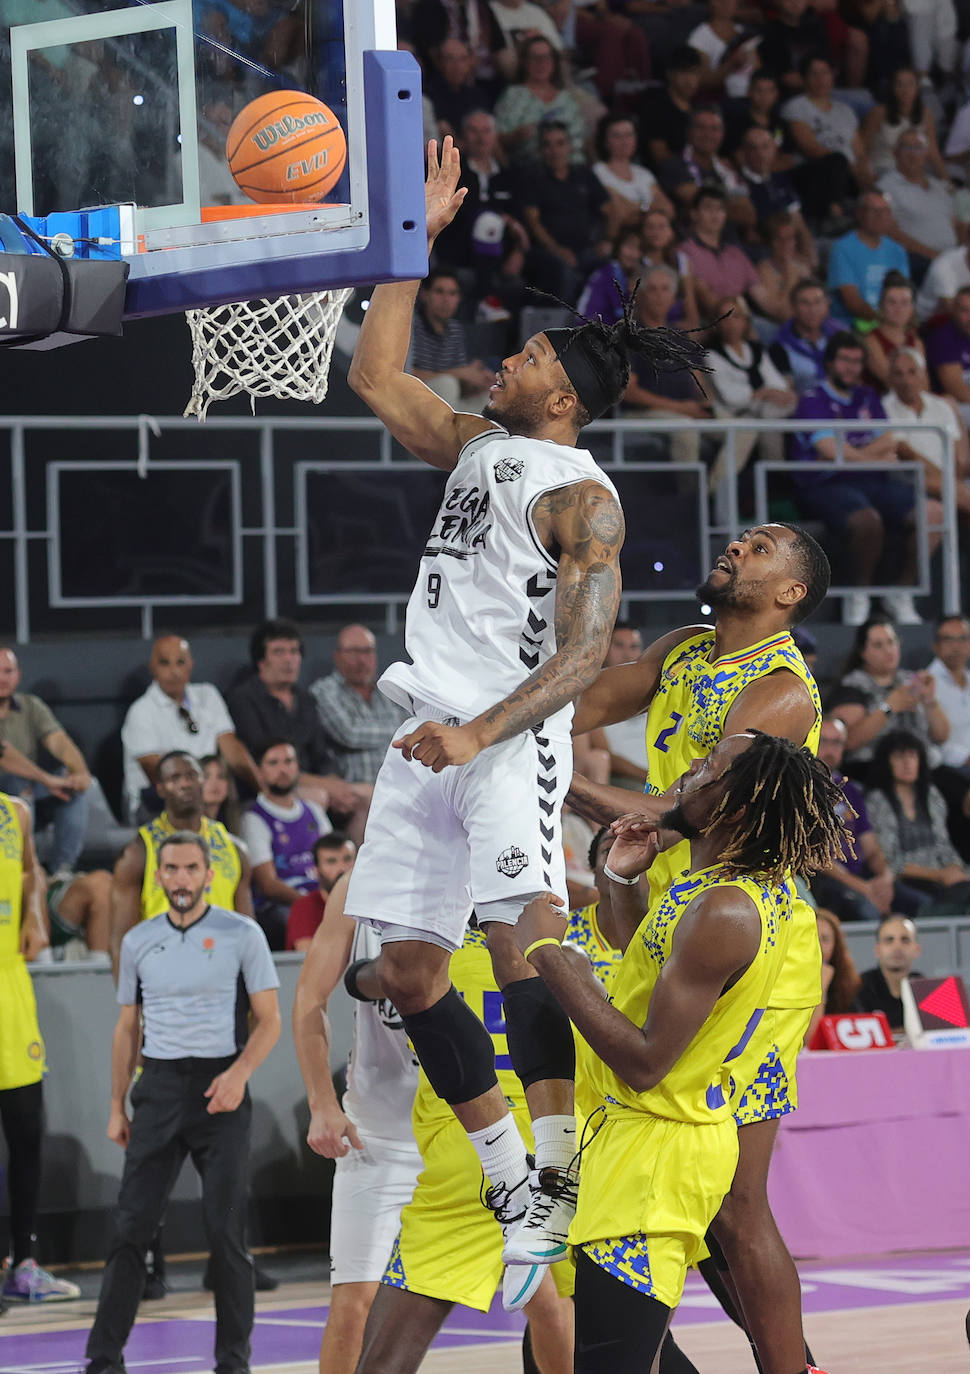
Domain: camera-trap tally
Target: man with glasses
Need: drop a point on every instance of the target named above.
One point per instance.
(360, 720)
(176, 713)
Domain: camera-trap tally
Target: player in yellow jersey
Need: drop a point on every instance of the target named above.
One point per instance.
(689, 993)
(698, 684)
(23, 934)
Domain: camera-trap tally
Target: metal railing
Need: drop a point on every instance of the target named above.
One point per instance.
(272, 532)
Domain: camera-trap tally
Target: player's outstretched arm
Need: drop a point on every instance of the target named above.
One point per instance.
(418, 419)
(624, 691)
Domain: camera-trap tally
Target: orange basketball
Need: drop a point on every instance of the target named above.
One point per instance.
(286, 147)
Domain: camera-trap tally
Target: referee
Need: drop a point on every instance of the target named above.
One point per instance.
(186, 969)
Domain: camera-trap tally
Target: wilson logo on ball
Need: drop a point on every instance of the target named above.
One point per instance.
(287, 126)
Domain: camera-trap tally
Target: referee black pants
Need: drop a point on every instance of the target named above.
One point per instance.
(170, 1121)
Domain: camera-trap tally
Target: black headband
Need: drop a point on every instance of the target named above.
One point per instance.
(581, 365)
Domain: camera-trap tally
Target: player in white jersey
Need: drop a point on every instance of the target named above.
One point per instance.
(368, 1134)
(509, 620)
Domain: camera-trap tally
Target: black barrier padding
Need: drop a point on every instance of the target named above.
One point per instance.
(31, 295)
(95, 297)
(44, 295)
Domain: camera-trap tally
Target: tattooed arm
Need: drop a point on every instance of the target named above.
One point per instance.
(585, 523)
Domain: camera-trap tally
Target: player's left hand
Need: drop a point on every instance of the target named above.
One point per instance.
(33, 939)
(635, 845)
(226, 1091)
(439, 746)
(543, 918)
(442, 196)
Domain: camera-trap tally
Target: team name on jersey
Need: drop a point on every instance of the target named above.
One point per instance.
(463, 518)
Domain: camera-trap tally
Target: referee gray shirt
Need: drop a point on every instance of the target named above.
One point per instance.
(194, 983)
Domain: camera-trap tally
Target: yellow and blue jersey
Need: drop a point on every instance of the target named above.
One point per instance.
(22, 1059)
(223, 860)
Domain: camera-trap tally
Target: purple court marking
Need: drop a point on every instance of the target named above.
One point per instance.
(292, 1335)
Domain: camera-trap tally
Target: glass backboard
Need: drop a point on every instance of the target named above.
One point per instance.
(126, 102)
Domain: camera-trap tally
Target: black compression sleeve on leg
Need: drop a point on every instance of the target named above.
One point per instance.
(21, 1113)
(455, 1049)
(673, 1360)
(540, 1037)
(618, 1330)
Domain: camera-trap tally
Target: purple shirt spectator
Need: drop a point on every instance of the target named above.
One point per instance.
(805, 360)
(823, 403)
(947, 344)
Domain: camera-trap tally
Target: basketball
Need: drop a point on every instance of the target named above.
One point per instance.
(286, 147)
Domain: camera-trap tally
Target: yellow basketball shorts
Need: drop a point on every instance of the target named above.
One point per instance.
(772, 1090)
(21, 1046)
(649, 1189)
(450, 1246)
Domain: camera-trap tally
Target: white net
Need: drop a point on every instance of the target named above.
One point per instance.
(264, 348)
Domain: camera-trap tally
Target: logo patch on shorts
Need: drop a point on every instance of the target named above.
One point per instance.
(511, 861)
(508, 469)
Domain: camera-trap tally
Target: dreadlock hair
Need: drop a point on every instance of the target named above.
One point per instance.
(790, 806)
(812, 567)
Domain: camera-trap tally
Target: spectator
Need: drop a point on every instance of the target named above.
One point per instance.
(656, 395)
(28, 725)
(840, 977)
(333, 855)
(699, 166)
(634, 190)
(172, 714)
(860, 260)
(896, 329)
(665, 114)
(625, 742)
(452, 87)
(948, 352)
(439, 351)
(609, 42)
(861, 887)
(521, 20)
(429, 22)
(875, 699)
(897, 949)
(220, 801)
(745, 382)
(903, 109)
(719, 268)
(924, 208)
(951, 649)
(798, 349)
(730, 52)
(909, 400)
(796, 34)
(932, 36)
(825, 132)
(947, 274)
(772, 192)
(857, 505)
(79, 909)
(761, 110)
(659, 246)
(280, 830)
(272, 705)
(783, 268)
(600, 296)
(883, 26)
(569, 215)
(956, 148)
(537, 98)
(356, 715)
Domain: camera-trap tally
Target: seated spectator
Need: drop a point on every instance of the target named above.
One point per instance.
(772, 193)
(909, 400)
(358, 718)
(861, 259)
(665, 113)
(783, 268)
(924, 208)
(875, 699)
(903, 109)
(600, 296)
(951, 650)
(840, 977)
(729, 50)
(612, 44)
(634, 190)
(79, 909)
(683, 175)
(897, 949)
(761, 110)
(825, 132)
(520, 20)
(660, 246)
(272, 705)
(947, 274)
(280, 831)
(883, 24)
(569, 216)
(933, 36)
(657, 395)
(745, 382)
(948, 352)
(626, 742)
(798, 349)
(896, 329)
(452, 87)
(797, 32)
(857, 505)
(861, 887)
(428, 23)
(220, 800)
(333, 855)
(537, 98)
(175, 713)
(719, 268)
(439, 350)
(956, 146)
(28, 726)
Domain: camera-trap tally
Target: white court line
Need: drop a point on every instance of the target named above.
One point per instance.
(60, 1367)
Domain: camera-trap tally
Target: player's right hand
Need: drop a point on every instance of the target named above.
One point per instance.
(119, 1129)
(332, 1134)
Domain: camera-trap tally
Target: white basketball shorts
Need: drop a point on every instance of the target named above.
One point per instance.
(437, 844)
(370, 1188)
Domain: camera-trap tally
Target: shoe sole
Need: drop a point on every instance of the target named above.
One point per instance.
(46, 1297)
(527, 1289)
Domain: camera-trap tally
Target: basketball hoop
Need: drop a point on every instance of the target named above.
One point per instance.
(278, 347)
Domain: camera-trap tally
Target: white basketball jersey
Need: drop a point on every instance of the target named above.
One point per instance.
(382, 1074)
(481, 617)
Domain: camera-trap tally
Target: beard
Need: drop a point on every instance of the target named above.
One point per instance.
(276, 789)
(183, 898)
(724, 595)
(674, 819)
(519, 415)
